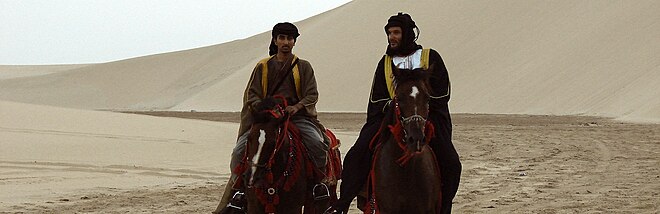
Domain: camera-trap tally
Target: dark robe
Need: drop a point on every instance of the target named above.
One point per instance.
(357, 161)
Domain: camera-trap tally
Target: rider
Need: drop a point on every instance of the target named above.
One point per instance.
(297, 84)
(404, 53)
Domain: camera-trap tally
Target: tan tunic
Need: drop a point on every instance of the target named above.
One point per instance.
(254, 91)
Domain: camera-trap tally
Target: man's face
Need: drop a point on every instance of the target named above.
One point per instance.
(394, 36)
(284, 43)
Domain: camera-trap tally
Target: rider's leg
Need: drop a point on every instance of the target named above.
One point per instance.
(449, 162)
(226, 195)
(313, 141)
(357, 163)
(318, 151)
(236, 156)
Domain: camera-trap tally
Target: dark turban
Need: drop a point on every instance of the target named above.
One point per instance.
(408, 45)
(285, 28)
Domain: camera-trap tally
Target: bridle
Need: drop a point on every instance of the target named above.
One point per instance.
(407, 120)
(400, 133)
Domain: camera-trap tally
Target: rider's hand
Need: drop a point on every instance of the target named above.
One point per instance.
(292, 109)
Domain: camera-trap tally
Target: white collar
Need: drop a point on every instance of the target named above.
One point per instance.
(411, 61)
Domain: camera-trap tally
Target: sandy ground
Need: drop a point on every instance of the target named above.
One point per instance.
(511, 164)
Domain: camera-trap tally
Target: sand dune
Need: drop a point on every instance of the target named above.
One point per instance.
(19, 71)
(521, 57)
(152, 82)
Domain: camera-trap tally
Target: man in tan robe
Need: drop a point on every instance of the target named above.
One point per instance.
(288, 76)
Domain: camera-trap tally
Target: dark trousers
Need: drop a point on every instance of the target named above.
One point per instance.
(357, 164)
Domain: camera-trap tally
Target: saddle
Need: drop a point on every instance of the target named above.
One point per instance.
(323, 177)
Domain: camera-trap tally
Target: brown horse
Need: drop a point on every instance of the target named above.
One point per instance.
(276, 172)
(405, 176)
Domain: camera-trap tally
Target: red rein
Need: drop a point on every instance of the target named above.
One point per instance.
(268, 191)
(292, 171)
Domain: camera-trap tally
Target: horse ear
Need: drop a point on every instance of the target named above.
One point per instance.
(396, 71)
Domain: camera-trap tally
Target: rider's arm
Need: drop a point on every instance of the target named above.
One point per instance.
(309, 91)
(379, 99)
(254, 89)
(440, 84)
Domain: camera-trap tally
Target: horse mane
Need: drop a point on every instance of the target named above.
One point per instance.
(405, 75)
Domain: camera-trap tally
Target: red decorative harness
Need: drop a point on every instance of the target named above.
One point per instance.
(268, 192)
(398, 134)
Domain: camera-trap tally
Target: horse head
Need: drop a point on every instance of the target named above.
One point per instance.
(411, 107)
(270, 109)
(263, 136)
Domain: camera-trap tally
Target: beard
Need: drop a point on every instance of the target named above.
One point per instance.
(285, 50)
(402, 49)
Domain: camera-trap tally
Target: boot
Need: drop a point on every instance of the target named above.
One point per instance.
(226, 195)
(238, 203)
(334, 209)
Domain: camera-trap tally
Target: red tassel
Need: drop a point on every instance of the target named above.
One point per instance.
(430, 131)
(270, 208)
(269, 177)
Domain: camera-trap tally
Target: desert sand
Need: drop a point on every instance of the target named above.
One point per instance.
(555, 110)
(511, 164)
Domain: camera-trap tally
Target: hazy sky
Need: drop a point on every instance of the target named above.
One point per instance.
(93, 31)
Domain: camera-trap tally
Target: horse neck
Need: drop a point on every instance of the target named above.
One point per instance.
(421, 170)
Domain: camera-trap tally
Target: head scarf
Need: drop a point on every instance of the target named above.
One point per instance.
(408, 44)
(285, 28)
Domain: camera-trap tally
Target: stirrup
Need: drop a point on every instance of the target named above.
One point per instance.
(237, 201)
(320, 192)
(333, 210)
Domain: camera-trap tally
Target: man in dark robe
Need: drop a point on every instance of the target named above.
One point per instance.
(404, 53)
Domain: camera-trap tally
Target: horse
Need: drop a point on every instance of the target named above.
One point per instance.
(277, 174)
(405, 176)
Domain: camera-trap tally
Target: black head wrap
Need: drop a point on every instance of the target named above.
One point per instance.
(285, 28)
(408, 44)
